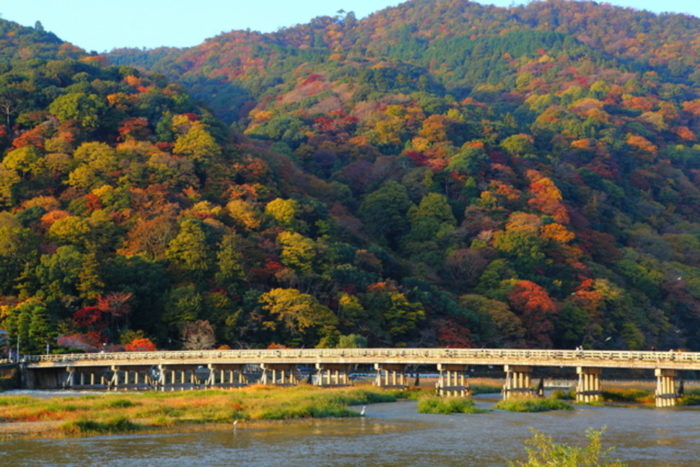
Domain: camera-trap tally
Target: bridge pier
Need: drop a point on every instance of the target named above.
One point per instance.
(666, 394)
(279, 374)
(226, 375)
(390, 375)
(329, 374)
(518, 382)
(588, 388)
(452, 380)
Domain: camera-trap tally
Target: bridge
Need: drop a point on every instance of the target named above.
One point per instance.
(173, 370)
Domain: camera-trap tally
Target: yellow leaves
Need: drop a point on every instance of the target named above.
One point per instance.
(243, 214)
(523, 222)
(557, 233)
(420, 144)
(282, 210)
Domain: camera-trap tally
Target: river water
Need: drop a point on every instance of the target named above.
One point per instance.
(389, 435)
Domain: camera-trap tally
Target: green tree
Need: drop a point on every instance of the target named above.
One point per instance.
(188, 253)
(197, 143)
(229, 262)
(384, 211)
(86, 109)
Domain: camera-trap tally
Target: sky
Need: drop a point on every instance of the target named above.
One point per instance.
(102, 25)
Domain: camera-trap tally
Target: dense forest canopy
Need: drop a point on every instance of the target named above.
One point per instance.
(441, 173)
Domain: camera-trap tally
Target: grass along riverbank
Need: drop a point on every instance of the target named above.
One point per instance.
(533, 404)
(169, 411)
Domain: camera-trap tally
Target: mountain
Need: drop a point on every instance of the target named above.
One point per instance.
(439, 173)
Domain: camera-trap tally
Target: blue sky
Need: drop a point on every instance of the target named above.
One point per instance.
(105, 24)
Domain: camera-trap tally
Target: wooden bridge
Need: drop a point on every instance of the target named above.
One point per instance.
(171, 370)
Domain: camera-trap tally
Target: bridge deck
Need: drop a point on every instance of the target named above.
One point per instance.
(541, 358)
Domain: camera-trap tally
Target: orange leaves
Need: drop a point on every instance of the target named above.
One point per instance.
(641, 143)
(685, 133)
(546, 197)
(557, 233)
(536, 309)
(692, 107)
(141, 344)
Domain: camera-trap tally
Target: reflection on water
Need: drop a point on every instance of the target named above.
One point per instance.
(390, 435)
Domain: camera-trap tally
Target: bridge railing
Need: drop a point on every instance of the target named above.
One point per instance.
(485, 355)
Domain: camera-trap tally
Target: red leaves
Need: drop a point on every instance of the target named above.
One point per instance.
(141, 344)
(536, 310)
(452, 335)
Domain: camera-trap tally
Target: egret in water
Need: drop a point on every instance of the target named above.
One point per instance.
(235, 422)
(362, 412)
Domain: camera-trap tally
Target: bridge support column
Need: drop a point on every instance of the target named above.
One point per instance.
(666, 393)
(518, 383)
(390, 375)
(278, 374)
(70, 378)
(333, 374)
(452, 381)
(588, 387)
(113, 383)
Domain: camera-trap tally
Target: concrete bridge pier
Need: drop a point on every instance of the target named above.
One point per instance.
(588, 388)
(518, 382)
(390, 375)
(69, 382)
(279, 374)
(666, 393)
(329, 375)
(226, 375)
(452, 380)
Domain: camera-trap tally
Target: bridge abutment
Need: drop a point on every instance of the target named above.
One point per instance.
(588, 388)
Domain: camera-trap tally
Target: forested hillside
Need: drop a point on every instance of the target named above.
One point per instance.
(439, 174)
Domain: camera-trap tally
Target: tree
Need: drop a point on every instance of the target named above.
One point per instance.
(140, 344)
(188, 252)
(298, 252)
(282, 210)
(197, 335)
(300, 314)
(229, 262)
(197, 143)
(86, 109)
(536, 310)
(384, 211)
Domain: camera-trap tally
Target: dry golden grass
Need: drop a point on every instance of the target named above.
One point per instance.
(124, 412)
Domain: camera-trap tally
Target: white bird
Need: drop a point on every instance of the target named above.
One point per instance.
(235, 422)
(362, 412)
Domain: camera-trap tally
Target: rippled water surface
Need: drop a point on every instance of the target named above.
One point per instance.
(390, 435)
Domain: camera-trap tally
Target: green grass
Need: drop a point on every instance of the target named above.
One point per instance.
(543, 451)
(91, 427)
(532, 404)
(568, 395)
(637, 396)
(691, 397)
(485, 389)
(447, 405)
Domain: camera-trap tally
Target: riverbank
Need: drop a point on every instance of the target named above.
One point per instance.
(110, 413)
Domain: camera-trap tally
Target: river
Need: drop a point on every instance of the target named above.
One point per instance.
(389, 435)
